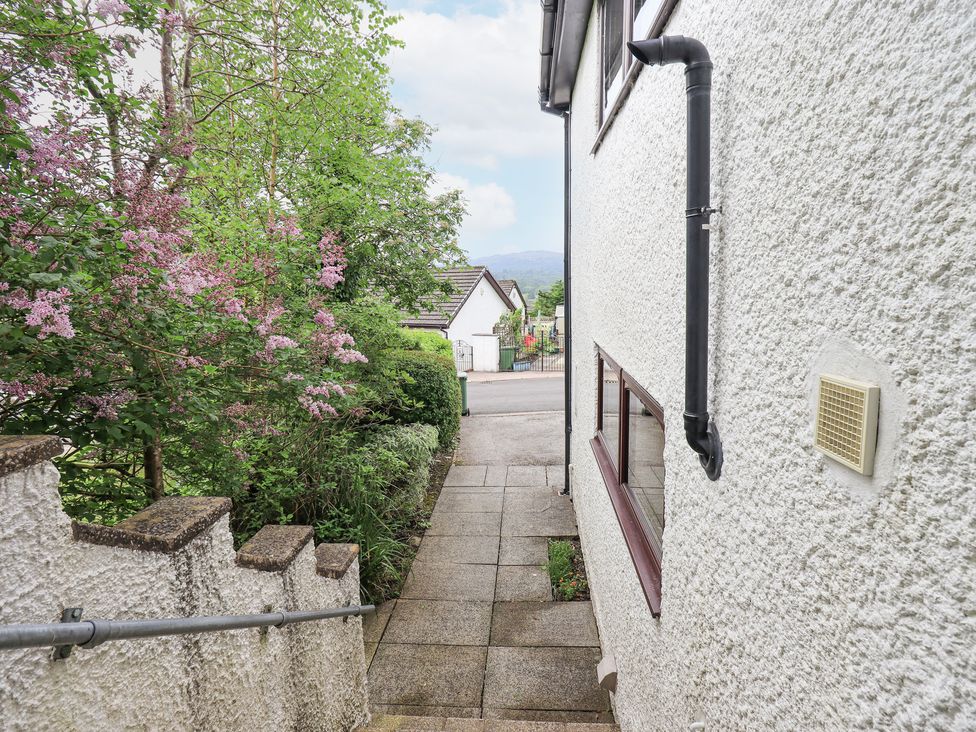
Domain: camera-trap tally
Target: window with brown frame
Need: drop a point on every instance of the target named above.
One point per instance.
(629, 448)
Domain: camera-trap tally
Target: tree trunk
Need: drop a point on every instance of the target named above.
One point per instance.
(152, 465)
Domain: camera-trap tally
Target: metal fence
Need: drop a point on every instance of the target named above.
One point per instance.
(463, 356)
(541, 352)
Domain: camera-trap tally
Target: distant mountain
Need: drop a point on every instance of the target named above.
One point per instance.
(533, 270)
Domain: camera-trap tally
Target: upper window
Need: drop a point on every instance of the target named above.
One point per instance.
(629, 446)
(621, 21)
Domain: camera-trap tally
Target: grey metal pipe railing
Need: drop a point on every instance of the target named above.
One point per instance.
(91, 633)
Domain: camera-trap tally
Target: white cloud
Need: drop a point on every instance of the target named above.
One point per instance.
(475, 78)
(490, 207)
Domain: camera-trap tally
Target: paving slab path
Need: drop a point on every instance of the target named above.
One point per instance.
(476, 632)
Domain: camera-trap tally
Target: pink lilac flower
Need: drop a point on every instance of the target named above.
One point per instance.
(107, 406)
(333, 261)
(275, 343)
(113, 9)
(285, 226)
(47, 310)
(265, 327)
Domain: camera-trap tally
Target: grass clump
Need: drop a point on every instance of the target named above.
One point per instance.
(566, 571)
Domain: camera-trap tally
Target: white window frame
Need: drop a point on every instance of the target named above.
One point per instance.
(633, 26)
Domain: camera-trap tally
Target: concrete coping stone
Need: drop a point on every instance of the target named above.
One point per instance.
(19, 452)
(332, 560)
(166, 526)
(274, 547)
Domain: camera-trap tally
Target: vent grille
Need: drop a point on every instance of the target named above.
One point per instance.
(847, 422)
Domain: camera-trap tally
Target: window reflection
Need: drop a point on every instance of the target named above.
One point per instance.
(645, 464)
(613, 25)
(611, 411)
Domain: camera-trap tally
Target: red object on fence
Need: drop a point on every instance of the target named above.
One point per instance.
(529, 341)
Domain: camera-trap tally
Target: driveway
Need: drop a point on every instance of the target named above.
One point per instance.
(513, 395)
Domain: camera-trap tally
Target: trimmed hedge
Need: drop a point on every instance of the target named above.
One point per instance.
(432, 391)
(414, 445)
(425, 340)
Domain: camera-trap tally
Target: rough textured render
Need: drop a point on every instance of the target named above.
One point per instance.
(797, 594)
(171, 561)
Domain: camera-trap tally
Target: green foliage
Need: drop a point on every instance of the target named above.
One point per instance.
(547, 300)
(567, 581)
(510, 324)
(432, 391)
(353, 486)
(425, 340)
(173, 261)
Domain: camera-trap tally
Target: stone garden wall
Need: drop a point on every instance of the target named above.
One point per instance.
(174, 559)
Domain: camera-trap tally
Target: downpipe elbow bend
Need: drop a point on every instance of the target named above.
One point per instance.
(702, 435)
(670, 50)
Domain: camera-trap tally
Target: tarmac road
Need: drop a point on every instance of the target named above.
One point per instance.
(507, 396)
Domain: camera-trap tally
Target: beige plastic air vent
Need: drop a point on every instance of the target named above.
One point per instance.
(847, 422)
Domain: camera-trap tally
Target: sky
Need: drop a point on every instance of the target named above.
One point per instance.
(471, 69)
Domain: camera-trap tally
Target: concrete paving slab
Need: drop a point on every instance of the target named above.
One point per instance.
(496, 475)
(436, 581)
(569, 624)
(440, 622)
(556, 679)
(522, 583)
(512, 439)
(531, 490)
(537, 501)
(556, 475)
(420, 711)
(526, 475)
(466, 475)
(469, 503)
(427, 675)
(539, 523)
(375, 624)
(576, 717)
(459, 550)
(464, 524)
(466, 490)
(370, 650)
(523, 550)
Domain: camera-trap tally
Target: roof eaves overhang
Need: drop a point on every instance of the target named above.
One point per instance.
(564, 25)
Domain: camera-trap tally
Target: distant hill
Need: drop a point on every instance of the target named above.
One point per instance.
(533, 270)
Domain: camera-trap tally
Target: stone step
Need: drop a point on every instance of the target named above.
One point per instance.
(398, 723)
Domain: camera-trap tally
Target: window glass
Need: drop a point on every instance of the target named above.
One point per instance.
(611, 411)
(613, 41)
(645, 464)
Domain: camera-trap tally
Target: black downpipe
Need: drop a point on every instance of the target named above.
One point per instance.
(567, 296)
(700, 431)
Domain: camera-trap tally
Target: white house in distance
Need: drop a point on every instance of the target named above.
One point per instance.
(820, 575)
(467, 316)
(511, 288)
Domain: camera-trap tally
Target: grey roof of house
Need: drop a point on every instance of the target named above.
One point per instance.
(464, 280)
(508, 286)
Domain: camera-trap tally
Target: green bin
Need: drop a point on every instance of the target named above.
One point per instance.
(506, 357)
(463, 378)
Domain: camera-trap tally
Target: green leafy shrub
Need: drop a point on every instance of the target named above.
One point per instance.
(425, 340)
(431, 390)
(362, 486)
(414, 445)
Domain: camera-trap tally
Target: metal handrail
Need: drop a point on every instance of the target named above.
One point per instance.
(91, 633)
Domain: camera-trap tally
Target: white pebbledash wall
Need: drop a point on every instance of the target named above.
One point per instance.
(308, 676)
(797, 596)
(477, 317)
